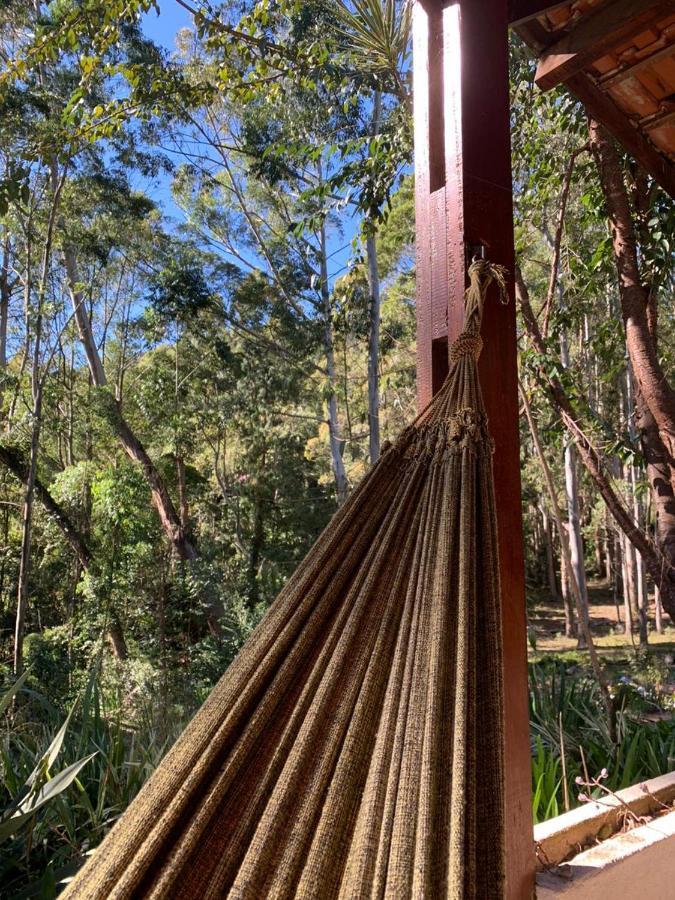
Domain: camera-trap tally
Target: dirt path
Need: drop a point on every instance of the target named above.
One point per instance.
(547, 624)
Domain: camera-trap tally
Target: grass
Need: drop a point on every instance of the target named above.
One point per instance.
(547, 625)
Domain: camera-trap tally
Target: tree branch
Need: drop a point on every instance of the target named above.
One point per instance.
(17, 465)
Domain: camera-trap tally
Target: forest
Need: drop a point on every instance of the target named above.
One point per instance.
(207, 335)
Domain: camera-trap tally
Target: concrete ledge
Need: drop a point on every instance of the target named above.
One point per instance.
(638, 863)
(561, 838)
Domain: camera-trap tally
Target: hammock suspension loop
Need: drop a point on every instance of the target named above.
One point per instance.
(482, 273)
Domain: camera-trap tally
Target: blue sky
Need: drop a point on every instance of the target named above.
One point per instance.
(162, 29)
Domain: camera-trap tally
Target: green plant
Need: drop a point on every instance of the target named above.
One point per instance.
(546, 783)
(565, 712)
(19, 820)
(50, 821)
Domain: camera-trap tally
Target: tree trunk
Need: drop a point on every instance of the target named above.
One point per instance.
(16, 464)
(36, 385)
(117, 641)
(27, 512)
(4, 300)
(660, 487)
(658, 611)
(182, 494)
(373, 351)
(657, 392)
(597, 548)
(3, 556)
(134, 449)
(584, 625)
(163, 655)
(654, 396)
(659, 567)
(256, 549)
(571, 628)
(82, 319)
(638, 576)
(537, 544)
(24, 560)
(617, 581)
(637, 597)
(339, 473)
(162, 501)
(629, 603)
(574, 531)
(568, 599)
(374, 321)
(576, 545)
(550, 557)
(168, 516)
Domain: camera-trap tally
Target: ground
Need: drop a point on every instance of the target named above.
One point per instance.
(547, 625)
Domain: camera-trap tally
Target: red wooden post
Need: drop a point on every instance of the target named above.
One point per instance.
(463, 201)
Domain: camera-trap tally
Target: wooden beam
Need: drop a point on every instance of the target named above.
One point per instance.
(596, 34)
(521, 11)
(534, 35)
(602, 107)
(463, 198)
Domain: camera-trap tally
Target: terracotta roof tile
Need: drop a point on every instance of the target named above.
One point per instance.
(646, 92)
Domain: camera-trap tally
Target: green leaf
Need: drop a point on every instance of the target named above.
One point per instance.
(13, 824)
(7, 697)
(55, 785)
(49, 757)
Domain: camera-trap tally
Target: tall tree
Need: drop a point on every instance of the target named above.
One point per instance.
(654, 395)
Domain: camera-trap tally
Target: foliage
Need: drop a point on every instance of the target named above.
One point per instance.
(109, 743)
(566, 719)
(207, 212)
(546, 783)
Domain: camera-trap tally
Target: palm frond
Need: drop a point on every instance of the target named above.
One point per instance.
(378, 31)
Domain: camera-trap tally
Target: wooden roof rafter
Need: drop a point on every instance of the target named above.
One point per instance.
(618, 58)
(522, 11)
(594, 35)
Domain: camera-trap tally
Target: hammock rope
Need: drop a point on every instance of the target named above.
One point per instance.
(353, 748)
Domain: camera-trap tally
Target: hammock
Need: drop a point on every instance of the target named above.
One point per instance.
(353, 748)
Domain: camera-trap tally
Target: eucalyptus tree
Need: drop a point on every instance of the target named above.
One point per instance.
(567, 255)
(251, 219)
(350, 61)
(345, 57)
(41, 327)
(70, 115)
(281, 169)
(32, 316)
(376, 38)
(644, 266)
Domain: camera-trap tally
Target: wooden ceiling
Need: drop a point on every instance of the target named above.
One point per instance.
(618, 58)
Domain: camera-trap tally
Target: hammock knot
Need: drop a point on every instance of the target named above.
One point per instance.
(467, 344)
(467, 427)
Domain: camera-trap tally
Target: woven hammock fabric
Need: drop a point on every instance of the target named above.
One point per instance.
(353, 748)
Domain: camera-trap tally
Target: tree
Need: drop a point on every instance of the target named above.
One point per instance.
(654, 396)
